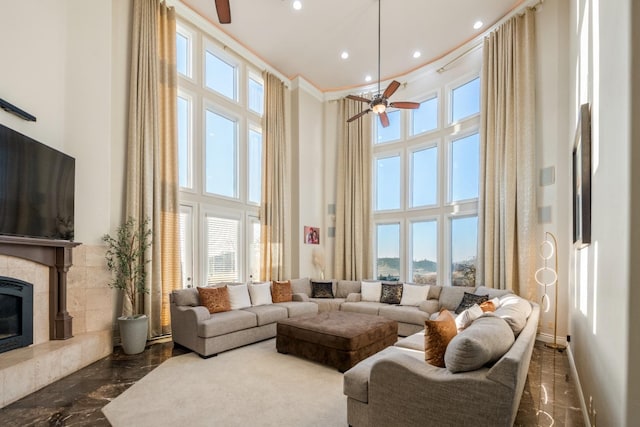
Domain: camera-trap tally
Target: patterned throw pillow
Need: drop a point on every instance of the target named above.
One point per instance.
(215, 299)
(469, 299)
(321, 289)
(281, 291)
(437, 334)
(391, 294)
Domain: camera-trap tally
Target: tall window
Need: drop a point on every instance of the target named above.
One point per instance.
(220, 107)
(426, 188)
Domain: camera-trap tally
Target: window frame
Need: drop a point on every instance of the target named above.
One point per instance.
(455, 84)
(209, 46)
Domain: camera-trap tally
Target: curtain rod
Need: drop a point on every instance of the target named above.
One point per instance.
(476, 46)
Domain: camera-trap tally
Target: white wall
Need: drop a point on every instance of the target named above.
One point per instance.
(600, 307)
(307, 177)
(57, 65)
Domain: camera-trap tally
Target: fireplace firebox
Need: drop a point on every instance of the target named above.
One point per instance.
(16, 314)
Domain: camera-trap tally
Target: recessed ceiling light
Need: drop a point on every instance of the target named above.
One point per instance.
(297, 5)
(344, 54)
(477, 25)
(416, 54)
(367, 78)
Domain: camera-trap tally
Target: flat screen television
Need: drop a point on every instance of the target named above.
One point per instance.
(36, 188)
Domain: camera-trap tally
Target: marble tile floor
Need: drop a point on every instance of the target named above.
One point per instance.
(549, 398)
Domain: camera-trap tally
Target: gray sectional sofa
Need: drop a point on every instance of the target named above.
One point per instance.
(208, 334)
(397, 387)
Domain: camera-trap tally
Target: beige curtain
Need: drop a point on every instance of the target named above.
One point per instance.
(152, 176)
(353, 202)
(274, 213)
(507, 217)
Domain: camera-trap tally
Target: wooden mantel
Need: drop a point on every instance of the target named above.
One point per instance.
(57, 255)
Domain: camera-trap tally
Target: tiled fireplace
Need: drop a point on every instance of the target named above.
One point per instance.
(72, 327)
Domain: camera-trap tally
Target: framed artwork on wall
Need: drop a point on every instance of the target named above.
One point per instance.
(582, 179)
(311, 235)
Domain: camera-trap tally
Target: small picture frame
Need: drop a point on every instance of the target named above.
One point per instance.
(581, 160)
(311, 235)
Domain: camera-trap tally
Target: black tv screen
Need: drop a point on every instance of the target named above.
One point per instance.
(36, 188)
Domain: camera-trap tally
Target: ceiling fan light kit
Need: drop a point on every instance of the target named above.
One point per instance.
(379, 102)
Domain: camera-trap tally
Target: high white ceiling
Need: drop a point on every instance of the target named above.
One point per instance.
(308, 42)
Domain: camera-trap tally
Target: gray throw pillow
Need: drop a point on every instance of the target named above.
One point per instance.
(485, 341)
(188, 296)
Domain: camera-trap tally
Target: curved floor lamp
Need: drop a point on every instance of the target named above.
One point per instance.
(548, 250)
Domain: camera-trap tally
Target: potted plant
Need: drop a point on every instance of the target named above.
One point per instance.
(126, 261)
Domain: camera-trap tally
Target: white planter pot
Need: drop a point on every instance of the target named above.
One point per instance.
(133, 333)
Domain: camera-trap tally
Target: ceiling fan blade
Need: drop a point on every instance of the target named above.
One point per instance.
(358, 98)
(224, 11)
(360, 114)
(384, 119)
(390, 90)
(401, 104)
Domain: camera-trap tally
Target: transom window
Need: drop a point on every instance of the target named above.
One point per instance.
(426, 189)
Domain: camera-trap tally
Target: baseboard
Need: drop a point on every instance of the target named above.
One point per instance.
(574, 372)
(548, 338)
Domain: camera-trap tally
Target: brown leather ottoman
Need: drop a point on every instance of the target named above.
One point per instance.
(336, 338)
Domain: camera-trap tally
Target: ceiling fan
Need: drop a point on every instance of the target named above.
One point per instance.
(224, 11)
(380, 101)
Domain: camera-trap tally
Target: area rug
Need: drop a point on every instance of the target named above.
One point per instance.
(249, 386)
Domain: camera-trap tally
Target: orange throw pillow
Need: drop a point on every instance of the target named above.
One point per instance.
(281, 291)
(215, 299)
(437, 334)
(488, 306)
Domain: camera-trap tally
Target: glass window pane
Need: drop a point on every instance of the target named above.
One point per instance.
(424, 177)
(182, 55)
(465, 100)
(256, 96)
(254, 250)
(464, 250)
(424, 252)
(391, 132)
(184, 144)
(255, 166)
(222, 236)
(186, 245)
(388, 251)
(425, 118)
(465, 163)
(221, 155)
(220, 76)
(388, 183)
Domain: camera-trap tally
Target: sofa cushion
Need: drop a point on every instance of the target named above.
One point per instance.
(492, 292)
(226, 322)
(465, 318)
(216, 299)
(412, 342)
(414, 294)
(301, 286)
(239, 296)
(260, 293)
(470, 299)
(514, 310)
(366, 307)
(346, 287)
(434, 292)
(486, 340)
(267, 314)
(371, 291)
(404, 314)
(437, 334)
(297, 308)
(321, 289)
(281, 291)
(188, 296)
(450, 296)
(391, 294)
